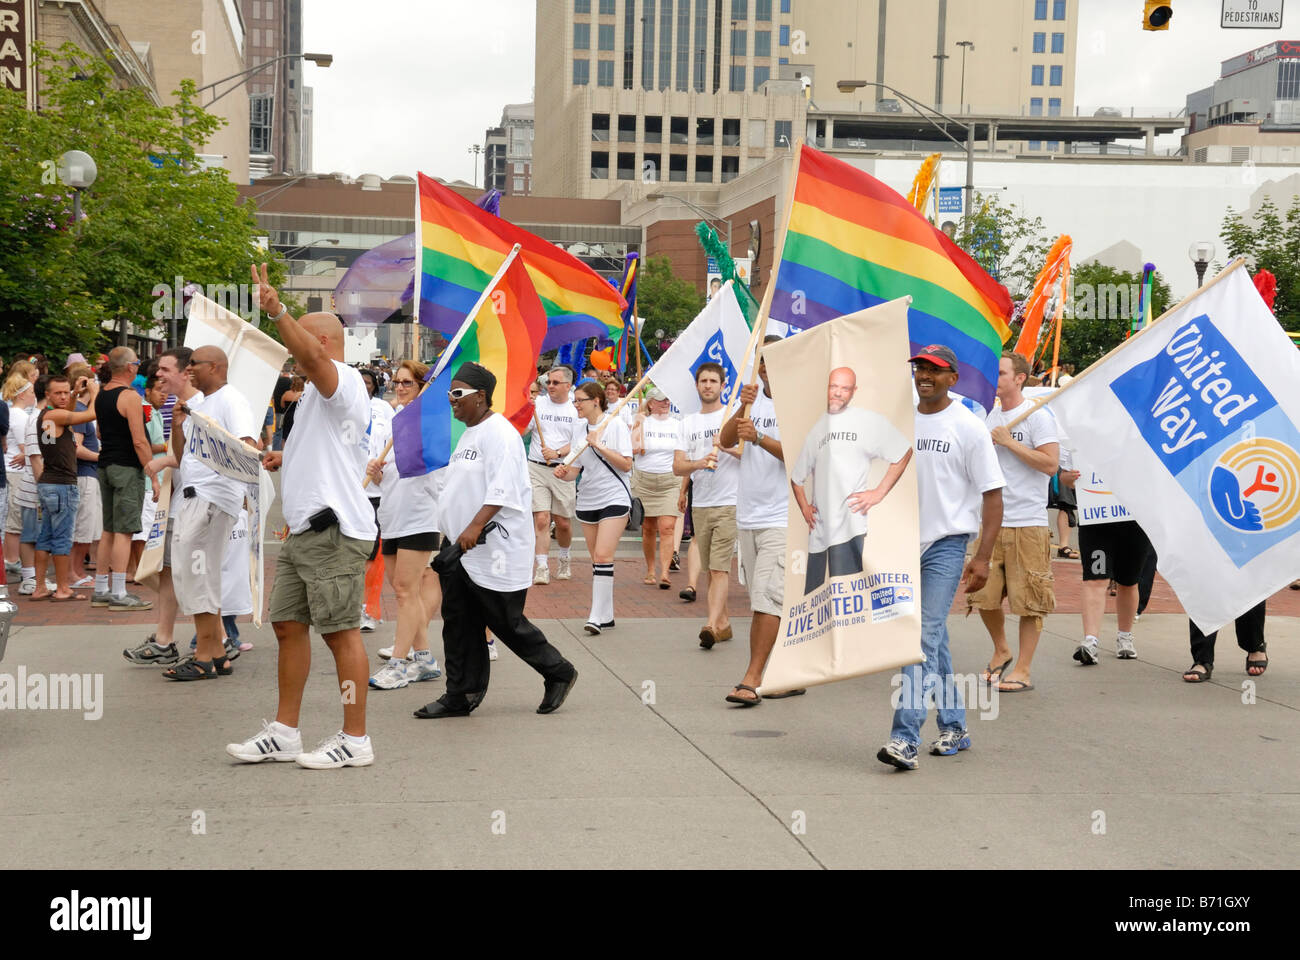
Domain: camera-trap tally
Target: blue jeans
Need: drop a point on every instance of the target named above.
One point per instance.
(227, 624)
(941, 567)
(58, 516)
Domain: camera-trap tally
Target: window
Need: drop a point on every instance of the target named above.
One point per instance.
(1058, 9)
(1288, 80)
(627, 128)
(1054, 76)
(260, 109)
(1058, 43)
(647, 45)
(581, 72)
(1053, 145)
(629, 39)
(627, 166)
(677, 131)
(654, 129)
(1054, 107)
(582, 6)
(783, 60)
(582, 36)
(666, 43)
(604, 73)
(677, 168)
(730, 132)
(761, 76)
(701, 43)
(739, 9)
(758, 133)
(1036, 75)
(738, 43)
(599, 165)
(781, 134)
(1040, 9)
(605, 36)
(737, 78)
(683, 45)
(1040, 43)
(650, 168)
(703, 169)
(600, 127)
(730, 168)
(704, 131)
(763, 10)
(606, 8)
(1036, 106)
(762, 43)
(519, 184)
(519, 167)
(783, 36)
(785, 6)
(1035, 144)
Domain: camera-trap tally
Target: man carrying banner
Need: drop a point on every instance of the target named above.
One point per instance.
(713, 471)
(959, 489)
(1021, 564)
(829, 479)
(209, 507)
(321, 570)
(555, 416)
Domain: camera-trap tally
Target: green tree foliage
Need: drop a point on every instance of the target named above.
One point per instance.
(1272, 244)
(665, 302)
(1100, 312)
(151, 216)
(1007, 244)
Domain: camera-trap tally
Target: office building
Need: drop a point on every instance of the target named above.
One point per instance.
(278, 130)
(1251, 113)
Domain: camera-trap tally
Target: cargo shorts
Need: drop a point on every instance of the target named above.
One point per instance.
(320, 580)
(1020, 570)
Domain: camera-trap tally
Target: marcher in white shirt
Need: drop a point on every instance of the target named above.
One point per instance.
(604, 496)
(553, 418)
(655, 439)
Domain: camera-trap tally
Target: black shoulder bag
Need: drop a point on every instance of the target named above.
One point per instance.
(636, 514)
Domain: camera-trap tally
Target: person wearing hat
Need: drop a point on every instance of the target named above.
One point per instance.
(654, 439)
(959, 492)
(73, 360)
(486, 561)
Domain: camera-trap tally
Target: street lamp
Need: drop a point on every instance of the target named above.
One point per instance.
(320, 59)
(697, 208)
(78, 171)
(304, 246)
(1201, 253)
(848, 86)
(476, 150)
(965, 45)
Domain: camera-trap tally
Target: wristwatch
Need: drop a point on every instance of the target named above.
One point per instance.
(759, 439)
(283, 312)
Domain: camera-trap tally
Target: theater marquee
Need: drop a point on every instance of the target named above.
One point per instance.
(17, 19)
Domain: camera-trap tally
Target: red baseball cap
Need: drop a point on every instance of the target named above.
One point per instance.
(937, 354)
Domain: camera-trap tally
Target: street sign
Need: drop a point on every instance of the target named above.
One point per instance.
(1251, 15)
(950, 199)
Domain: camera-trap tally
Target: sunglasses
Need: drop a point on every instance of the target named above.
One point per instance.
(192, 363)
(460, 393)
(403, 383)
(557, 383)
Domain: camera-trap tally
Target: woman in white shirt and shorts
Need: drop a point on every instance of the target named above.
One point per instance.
(654, 438)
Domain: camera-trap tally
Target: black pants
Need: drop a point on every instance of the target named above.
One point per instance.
(467, 610)
(1147, 581)
(1250, 636)
(841, 559)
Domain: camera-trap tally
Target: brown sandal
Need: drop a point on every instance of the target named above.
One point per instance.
(744, 701)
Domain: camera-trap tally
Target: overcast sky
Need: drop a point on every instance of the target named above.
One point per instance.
(416, 82)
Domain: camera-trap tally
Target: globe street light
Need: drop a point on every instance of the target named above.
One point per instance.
(1201, 253)
(77, 170)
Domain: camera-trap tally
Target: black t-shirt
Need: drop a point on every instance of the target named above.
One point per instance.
(4, 429)
(281, 385)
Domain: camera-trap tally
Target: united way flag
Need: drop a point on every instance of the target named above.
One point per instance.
(719, 334)
(1193, 425)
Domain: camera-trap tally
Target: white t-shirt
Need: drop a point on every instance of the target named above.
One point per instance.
(630, 410)
(1024, 498)
(837, 457)
(955, 466)
(600, 487)
(228, 409)
(381, 428)
(407, 505)
(709, 488)
(488, 467)
(325, 458)
(762, 494)
(661, 437)
(1033, 393)
(556, 421)
(18, 442)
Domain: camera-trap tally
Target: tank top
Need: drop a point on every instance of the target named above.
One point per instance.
(115, 446)
(60, 456)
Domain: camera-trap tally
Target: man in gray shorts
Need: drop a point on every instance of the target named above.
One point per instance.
(554, 416)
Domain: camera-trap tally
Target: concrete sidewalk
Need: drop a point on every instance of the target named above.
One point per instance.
(1118, 765)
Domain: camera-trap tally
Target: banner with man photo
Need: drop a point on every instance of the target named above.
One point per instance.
(843, 398)
(1193, 424)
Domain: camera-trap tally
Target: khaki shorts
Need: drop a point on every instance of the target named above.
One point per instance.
(551, 494)
(89, 526)
(14, 519)
(122, 491)
(320, 580)
(199, 542)
(762, 558)
(658, 493)
(1020, 570)
(715, 535)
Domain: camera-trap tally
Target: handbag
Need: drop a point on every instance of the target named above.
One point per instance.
(636, 513)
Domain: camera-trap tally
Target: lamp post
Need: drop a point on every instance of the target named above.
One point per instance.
(1201, 253)
(848, 86)
(476, 150)
(320, 59)
(697, 208)
(304, 246)
(965, 45)
(78, 171)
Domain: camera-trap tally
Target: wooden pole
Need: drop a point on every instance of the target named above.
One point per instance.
(1043, 401)
(455, 341)
(610, 414)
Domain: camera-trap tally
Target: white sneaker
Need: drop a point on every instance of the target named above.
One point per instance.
(1086, 653)
(492, 649)
(1124, 646)
(27, 587)
(564, 573)
(369, 623)
(271, 744)
(542, 575)
(391, 676)
(338, 751)
(385, 653)
(417, 670)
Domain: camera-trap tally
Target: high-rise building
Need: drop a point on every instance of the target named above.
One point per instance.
(508, 152)
(276, 95)
(305, 139)
(494, 159)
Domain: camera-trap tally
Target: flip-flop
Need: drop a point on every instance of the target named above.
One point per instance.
(687, 594)
(744, 701)
(1261, 664)
(1067, 553)
(649, 580)
(43, 596)
(782, 696)
(69, 598)
(1020, 686)
(665, 584)
(1191, 672)
(990, 670)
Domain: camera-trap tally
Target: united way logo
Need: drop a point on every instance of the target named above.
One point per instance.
(715, 352)
(1255, 485)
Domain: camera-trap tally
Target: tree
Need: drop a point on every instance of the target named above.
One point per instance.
(152, 217)
(1100, 311)
(1007, 244)
(666, 302)
(1273, 244)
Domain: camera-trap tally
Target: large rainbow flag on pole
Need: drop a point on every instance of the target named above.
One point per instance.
(853, 242)
(458, 248)
(504, 334)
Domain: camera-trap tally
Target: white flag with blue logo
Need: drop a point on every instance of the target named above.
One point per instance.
(719, 334)
(1194, 426)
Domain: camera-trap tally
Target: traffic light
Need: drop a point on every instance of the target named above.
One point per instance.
(1157, 15)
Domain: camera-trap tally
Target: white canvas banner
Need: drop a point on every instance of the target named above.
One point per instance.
(151, 559)
(255, 359)
(718, 334)
(843, 396)
(1192, 423)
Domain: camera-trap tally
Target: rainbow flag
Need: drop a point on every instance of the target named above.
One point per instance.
(853, 242)
(506, 337)
(458, 249)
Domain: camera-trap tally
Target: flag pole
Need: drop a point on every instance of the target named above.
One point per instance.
(436, 371)
(1044, 401)
(609, 415)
